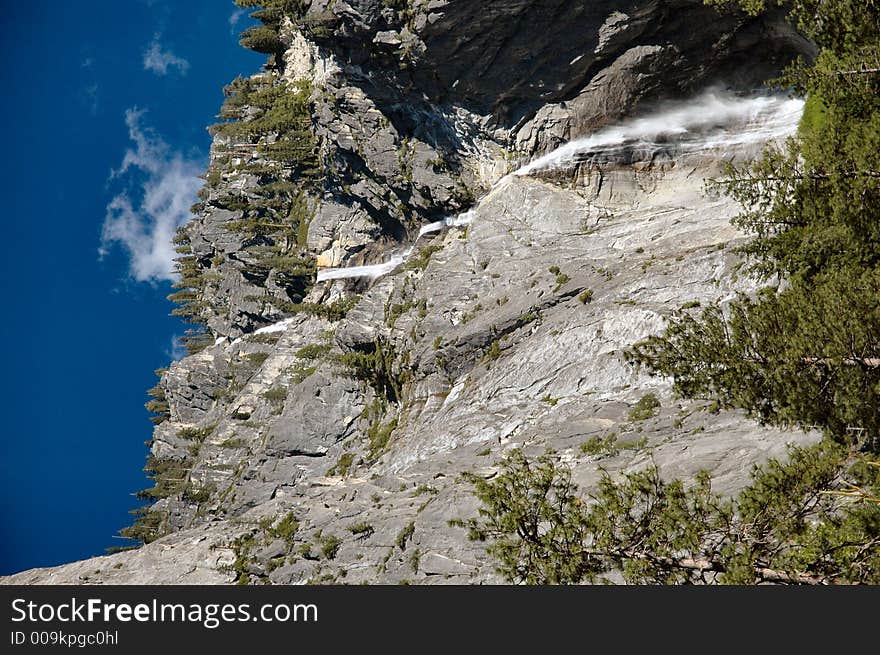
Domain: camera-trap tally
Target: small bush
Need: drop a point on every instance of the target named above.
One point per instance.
(415, 560)
(493, 353)
(644, 409)
(596, 446)
(286, 528)
(256, 360)
(275, 395)
(419, 262)
(329, 546)
(300, 373)
(343, 465)
(609, 446)
(425, 489)
(362, 530)
(404, 535)
(335, 311)
(378, 435)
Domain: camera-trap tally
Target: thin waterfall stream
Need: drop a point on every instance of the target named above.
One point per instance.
(712, 121)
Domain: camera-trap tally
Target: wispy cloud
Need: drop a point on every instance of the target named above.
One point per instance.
(88, 96)
(235, 19)
(161, 186)
(159, 61)
(176, 350)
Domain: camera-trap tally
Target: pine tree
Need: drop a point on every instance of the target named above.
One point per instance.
(804, 353)
(808, 355)
(265, 38)
(814, 519)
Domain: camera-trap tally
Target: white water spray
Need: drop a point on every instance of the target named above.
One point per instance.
(450, 221)
(373, 271)
(280, 326)
(714, 120)
(710, 121)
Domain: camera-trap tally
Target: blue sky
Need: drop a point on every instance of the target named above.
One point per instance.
(105, 104)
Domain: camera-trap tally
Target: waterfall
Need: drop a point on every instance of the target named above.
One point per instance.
(712, 121)
(369, 270)
(373, 271)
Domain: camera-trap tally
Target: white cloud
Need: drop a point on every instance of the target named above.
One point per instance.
(89, 97)
(176, 350)
(162, 186)
(235, 18)
(159, 61)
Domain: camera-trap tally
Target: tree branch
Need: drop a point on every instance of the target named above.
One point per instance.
(702, 566)
(862, 71)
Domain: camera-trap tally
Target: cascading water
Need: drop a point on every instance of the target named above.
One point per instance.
(373, 271)
(450, 221)
(712, 121)
(369, 270)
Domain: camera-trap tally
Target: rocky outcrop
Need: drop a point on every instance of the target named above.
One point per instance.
(419, 107)
(325, 443)
(498, 351)
(580, 63)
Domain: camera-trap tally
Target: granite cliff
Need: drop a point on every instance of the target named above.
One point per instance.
(318, 430)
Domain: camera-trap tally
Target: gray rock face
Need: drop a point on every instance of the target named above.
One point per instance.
(318, 417)
(420, 106)
(555, 380)
(331, 451)
(509, 59)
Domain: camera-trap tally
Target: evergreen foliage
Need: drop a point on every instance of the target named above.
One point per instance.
(376, 368)
(265, 38)
(275, 212)
(149, 525)
(812, 520)
(804, 353)
(807, 357)
(158, 405)
(169, 475)
(266, 132)
(188, 298)
(262, 38)
(645, 408)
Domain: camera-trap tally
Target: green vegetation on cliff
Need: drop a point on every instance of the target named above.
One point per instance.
(814, 519)
(265, 38)
(804, 354)
(266, 135)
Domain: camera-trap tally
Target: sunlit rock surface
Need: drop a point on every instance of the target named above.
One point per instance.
(503, 322)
